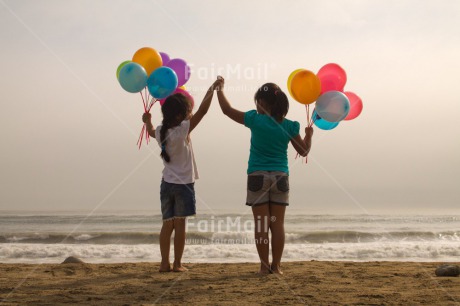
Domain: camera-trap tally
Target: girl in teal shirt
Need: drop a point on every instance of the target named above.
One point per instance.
(268, 172)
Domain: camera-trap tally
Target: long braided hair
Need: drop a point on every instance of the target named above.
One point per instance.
(275, 99)
(175, 109)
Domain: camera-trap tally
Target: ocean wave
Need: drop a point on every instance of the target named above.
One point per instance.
(362, 237)
(229, 237)
(381, 251)
(121, 238)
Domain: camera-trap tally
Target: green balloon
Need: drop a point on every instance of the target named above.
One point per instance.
(121, 66)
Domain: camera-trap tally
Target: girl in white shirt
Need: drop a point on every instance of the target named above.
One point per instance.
(177, 192)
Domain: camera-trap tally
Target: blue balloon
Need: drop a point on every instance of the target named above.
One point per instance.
(333, 106)
(132, 77)
(321, 123)
(162, 82)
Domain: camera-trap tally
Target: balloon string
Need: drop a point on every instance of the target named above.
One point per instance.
(307, 108)
(141, 136)
(139, 141)
(312, 121)
(147, 107)
(152, 102)
(143, 102)
(147, 94)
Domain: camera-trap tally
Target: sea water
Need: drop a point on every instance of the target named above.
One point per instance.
(226, 237)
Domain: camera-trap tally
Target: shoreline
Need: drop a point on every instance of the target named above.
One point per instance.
(304, 282)
(36, 262)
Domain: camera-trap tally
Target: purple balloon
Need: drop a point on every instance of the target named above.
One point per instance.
(181, 69)
(164, 58)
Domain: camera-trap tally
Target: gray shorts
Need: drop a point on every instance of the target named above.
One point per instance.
(268, 187)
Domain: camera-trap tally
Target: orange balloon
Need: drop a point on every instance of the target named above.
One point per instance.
(148, 58)
(305, 87)
(293, 73)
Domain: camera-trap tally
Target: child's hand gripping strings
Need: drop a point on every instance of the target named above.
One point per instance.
(149, 129)
(147, 107)
(303, 146)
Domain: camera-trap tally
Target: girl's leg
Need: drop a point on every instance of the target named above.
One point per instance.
(165, 243)
(277, 229)
(179, 244)
(262, 224)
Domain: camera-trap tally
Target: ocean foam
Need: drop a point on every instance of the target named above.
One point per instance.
(92, 253)
(113, 238)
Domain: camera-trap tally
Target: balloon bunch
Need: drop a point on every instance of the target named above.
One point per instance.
(333, 104)
(155, 76)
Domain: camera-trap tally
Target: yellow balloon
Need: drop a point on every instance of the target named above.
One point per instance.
(293, 73)
(305, 87)
(148, 58)
(183, 87)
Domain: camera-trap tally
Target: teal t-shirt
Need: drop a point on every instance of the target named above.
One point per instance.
(269, 142)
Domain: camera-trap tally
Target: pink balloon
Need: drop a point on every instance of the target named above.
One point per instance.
(181, 91)
(181, 69)
(332, 77)
(356, 105)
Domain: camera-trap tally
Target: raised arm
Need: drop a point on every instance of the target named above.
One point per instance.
(227, 109)
(204, 107)
(147, 119)
(303, 146)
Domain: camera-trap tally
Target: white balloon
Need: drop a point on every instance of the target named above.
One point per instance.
(333, 106)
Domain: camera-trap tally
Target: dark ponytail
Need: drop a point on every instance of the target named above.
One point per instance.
(175, 109)
(275, 99)
(163, 130)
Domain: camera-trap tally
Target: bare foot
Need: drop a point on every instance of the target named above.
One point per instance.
(276, 269)
(165, 267)
(179, 268)
(263, 269)
(263, 272)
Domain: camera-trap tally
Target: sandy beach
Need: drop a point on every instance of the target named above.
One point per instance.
(311, 282)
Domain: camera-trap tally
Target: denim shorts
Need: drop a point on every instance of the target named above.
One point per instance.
(268, 187)
(177, 200)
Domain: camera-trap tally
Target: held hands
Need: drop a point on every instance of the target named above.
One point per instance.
(215, 85)
(219, 83)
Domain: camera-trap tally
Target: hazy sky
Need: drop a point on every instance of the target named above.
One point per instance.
(69, 130)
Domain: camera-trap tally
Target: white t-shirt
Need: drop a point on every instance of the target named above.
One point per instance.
(181, 168)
